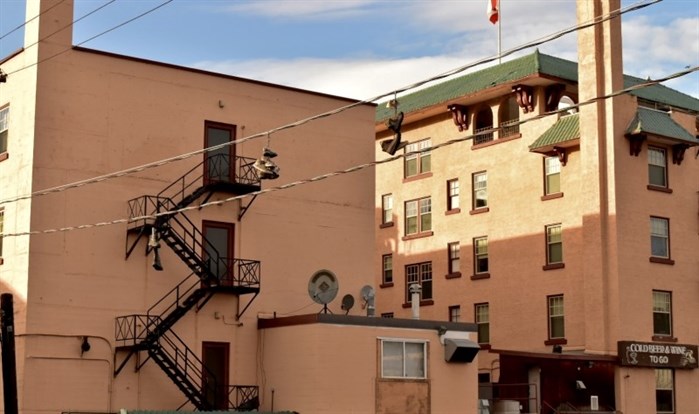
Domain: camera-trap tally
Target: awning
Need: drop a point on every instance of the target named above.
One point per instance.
(564, 133)
(460, 350)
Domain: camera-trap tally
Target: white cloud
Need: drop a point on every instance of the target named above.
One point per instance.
(302, 9)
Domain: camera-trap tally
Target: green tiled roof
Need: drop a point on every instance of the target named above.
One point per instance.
(517, 69)
(567, 128)
(660, 123)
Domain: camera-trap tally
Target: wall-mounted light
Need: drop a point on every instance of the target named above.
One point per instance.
(85, 346)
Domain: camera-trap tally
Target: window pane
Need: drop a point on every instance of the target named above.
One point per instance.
(483, 323)
(553, 184)
(414, 360)
(557, 327)
(392, 359)
(4, 115)
(388, 268)
(2, 226)
(664, 390)
(555, 253)
(483, 333)
(556, 317)
(659, 235)
(425, 163)
(387, 203)
(410, 166)
(480, 190)
(656, 175)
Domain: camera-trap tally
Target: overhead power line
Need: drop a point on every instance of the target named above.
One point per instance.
(357, 167)
(30, 20)
(304, 121)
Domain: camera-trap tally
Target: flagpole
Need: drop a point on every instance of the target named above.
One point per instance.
(499, 32)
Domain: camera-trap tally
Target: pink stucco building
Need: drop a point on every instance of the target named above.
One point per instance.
(219, 324)
(570, 239)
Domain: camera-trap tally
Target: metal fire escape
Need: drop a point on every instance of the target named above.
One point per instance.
(211, 273)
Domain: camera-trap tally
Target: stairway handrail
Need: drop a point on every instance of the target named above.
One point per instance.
(180, 292)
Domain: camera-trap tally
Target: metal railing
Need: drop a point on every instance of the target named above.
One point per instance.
(509, 128)
(482, 138)
(244, 397)
(133, 329)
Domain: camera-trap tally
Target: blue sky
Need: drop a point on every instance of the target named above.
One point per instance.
(363, 48)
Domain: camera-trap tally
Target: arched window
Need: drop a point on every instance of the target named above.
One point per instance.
(484, 121)
(509, 117)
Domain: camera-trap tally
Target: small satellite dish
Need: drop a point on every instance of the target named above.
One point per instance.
(367, 293)
(347, 302)
(323, 287)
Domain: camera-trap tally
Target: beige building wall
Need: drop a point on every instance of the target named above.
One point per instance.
(605, 209)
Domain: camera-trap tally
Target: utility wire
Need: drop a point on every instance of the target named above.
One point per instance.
(151, 10)
(357, 167)
(29, 20)
(301, 122)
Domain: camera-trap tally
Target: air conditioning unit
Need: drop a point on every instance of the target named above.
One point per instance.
(594, 403)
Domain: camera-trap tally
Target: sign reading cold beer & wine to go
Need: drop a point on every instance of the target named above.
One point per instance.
(658, 355)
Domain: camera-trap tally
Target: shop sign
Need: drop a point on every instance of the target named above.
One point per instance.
(657, 355)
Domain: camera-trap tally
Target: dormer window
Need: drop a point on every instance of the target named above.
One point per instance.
(566, 102)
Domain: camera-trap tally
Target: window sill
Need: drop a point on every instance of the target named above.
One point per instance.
(386, 285)
(454, 275)
(485, 346)
(479, 276)
(426, 302)
(386, 225)
(452, 211)
(553, 266)
(556, 341)
(551, 196)
(4, 156)
(418, 235)
(417, 177)
(496, 141)
(663, 338)
(661, 260)
(659, 188)
(479, 210)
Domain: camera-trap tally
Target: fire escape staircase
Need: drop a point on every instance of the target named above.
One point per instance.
(211, 273)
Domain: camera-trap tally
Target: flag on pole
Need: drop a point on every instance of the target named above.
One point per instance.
(493, 11)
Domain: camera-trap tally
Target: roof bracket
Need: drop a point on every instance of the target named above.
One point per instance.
(524, 96)
(553, 96)
(562, 155)
(635, 143)
(460, 115)
(678, 153)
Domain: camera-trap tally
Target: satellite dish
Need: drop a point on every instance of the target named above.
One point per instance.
(323, 287)
(367, 292)
(347, 302)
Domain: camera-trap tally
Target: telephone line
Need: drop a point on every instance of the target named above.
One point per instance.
(356, 167)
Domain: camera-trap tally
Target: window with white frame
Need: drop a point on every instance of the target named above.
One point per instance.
(662, 313)
(660, 237)
(418, 216)
(556, 317)
(664, 390)
(387, 209)
(4, 128)
(454, 261)
(482, 318)
(420, 273)
(480, 255)
(554, 244)
(480, 190)
(419, 162)
(387, 271)
(552, 172)
(657, 167)
(403, 359)
(454, 313)
(452, 194)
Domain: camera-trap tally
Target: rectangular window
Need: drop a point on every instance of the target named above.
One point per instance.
(482, 319)
(418, 216)
(387, 315)
(480, 255)
(662, 313)
(657, 167)
(552, 171)
(664, 391)
(403, 359)
(387, 272)
(454, 265)
(452, 194)
(419, 162)
(554, 244)
(660, 237)
(454, 313)
(4, 127)
(387, 208)
(420, 273)
(480, 190)
(556, 317)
